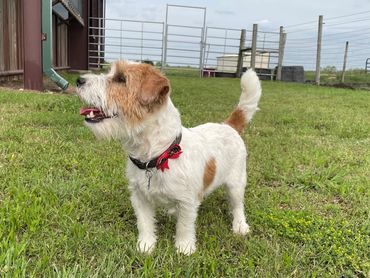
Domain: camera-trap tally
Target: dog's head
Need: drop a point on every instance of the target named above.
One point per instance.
(124, 97)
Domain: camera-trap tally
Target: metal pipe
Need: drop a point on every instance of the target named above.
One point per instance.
(191, 7)
(128, 20)
(163, 46)
(47, 48)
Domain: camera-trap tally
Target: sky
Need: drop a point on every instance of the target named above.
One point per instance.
(269, 15)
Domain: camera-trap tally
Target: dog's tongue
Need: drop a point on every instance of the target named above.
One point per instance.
(87, 111)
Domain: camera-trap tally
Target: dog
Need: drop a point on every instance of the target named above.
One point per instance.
(169, 165)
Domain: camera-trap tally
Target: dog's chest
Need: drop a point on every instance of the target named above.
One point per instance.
(153, 186)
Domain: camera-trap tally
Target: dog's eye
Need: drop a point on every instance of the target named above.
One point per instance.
(119, 79)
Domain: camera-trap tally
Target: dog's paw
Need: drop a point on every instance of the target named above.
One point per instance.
(185, 247)
(146, 245)
(240, 228)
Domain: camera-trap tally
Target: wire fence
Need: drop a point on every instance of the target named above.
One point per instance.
(212, 51)
(341, 55)
(115, 39)
(302, 45)
(267, 47)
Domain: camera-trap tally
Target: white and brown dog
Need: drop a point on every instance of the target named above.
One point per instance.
(169, 164)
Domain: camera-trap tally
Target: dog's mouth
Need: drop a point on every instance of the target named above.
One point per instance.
(94, 114)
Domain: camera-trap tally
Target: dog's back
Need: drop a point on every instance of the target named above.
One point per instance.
(222, 141)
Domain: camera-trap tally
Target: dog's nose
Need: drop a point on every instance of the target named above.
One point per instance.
(80, 81)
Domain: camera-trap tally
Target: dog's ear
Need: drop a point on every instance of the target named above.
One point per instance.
(118, 72)
(155, 88)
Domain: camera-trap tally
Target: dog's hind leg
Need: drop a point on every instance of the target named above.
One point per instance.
(235, 186)
(145, 222)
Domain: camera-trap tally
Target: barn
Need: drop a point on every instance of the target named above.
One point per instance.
(24, 43)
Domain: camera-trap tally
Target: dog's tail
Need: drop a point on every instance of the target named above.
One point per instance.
(247, 107)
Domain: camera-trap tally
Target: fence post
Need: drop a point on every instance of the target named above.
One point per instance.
(202, 44)
(239, 68)
(202, 52)
(163, 46)
(282, 40)
(254, 46)
(318, 51)
(165, 38)
(205, 52)
(344, 62)
(99, 42)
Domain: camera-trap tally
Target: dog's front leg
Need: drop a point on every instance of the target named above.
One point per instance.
(145, 214)
(185, 228)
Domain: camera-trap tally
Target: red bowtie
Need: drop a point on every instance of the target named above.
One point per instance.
(172, 152)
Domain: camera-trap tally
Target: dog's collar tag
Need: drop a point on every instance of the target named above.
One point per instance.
(149, 175)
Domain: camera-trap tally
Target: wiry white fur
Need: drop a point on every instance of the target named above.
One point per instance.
(91, 92)
(251, 93)
(181, 187)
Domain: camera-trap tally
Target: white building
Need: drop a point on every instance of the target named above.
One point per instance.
(229, 62)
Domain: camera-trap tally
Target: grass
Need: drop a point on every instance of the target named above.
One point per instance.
(65, 210)
(355, 77)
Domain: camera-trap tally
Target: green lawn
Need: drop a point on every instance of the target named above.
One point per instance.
(355, 77)
(64, 202)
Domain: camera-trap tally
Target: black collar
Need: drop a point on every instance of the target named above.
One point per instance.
(154, 162)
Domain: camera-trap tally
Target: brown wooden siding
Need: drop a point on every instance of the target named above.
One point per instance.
(11, 36)
(11, 39)
(2, 63)
(61, 43)
(65, 37)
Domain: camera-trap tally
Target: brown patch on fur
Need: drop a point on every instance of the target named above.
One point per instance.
(209, 173)
(137, 89)
(237, 120)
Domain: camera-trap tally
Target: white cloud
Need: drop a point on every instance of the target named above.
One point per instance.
(263, 22)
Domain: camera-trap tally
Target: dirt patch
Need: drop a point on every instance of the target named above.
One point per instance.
(49, 86)
(350, 86)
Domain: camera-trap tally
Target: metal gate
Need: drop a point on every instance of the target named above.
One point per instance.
(211, 51)
(160, 43)
(221, 49)
(113, 39)
(184, 44)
